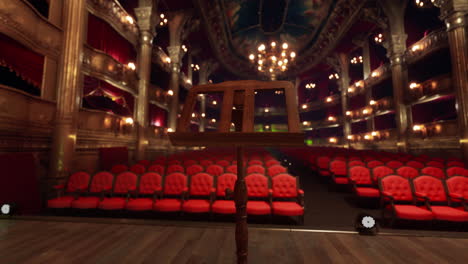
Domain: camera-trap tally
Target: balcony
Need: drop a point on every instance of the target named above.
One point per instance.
(430, 89)
(439, 129)
(432, 42)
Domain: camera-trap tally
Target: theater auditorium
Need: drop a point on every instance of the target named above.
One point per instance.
(233, 131)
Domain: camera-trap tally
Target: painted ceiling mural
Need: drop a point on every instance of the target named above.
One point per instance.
(251, 22)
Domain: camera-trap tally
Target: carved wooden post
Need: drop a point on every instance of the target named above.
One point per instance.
(240, 196)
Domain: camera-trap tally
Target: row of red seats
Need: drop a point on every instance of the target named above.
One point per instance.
(215, 170)
(174, 193)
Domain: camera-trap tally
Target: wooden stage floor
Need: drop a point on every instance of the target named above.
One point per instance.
(50, 241)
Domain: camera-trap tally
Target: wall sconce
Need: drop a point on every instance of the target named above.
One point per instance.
(414, 85)
(194, 115)
(129, 19)
(332, 140)
(348, 113)
(416, 48)
(184, 48)
(372, 102)
(375, 74)
(215, 103)
(350, 137)
(131, 66)
(304, 106)
(418, 127)
(351, 90)
(129, 121)
(267, 127)
(329, 99)
(163, 20)
(170, 130)
(267, 110)
(203, 115)
(334, 76)
(378, 38)
(356, 60)
(168, 60)
(331, 119)
(170, 93)
(365, 111)
(367, 137)
(213, 120)
(310, 85)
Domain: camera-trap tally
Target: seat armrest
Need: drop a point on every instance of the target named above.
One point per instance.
(228, 193)
(300, 197)
(300, 192)
(457, 197)
(421, 196)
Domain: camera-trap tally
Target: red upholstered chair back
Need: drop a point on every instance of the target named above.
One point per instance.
(138, 169)
(381, 171)
(374, 163)
(232, 169)
(355, 163)
(338, 167)
(272, 162)
(407, 172)
(455, 163)
(284, 186)
(225, 181)
(215, 170)
(255, 162)
(458, 185)
(437, 164)
(150, 182)
(433, 171)
(360, 175)
(101, 181)
(201, 184)
(255, 169)
(223, 163)
(190, 162)
(385, 159)
(275, 170)
(268, 158)
(206, 162)
(257, 185)
(323, 162)
(78, 181)
(174, 162)
(354, 158)
(174, 168)
(430, 186)
(119, 168)
(415, 164)
(157, 168)
(397, 186)
(194, 169)
(160, 161)
(453, 171)
(394, 164)
(125, 181)
(438, 160)
(145, 163)
(175, 183)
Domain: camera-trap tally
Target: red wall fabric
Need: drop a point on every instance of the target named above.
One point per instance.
(19, 182)
(103, 37)
(157, 116)
(28, 64)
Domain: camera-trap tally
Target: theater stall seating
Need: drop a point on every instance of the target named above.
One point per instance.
(258, 194)
(156, 168)
(432, 191)
(194, 169)
(407, 172)
(456, 171)
(125, 183)
(339, 172)
(433, 171)
(255, 169)
(232, 169)
(138, 169)
(374, 163)
(224, 163)
(149, 188)
(206, 162)
(455, 164)
(119, 168)
(201, 194)
(175, 187)
(255, 162)
(224, 190)
(288, 200)
(215, 170)
(101, 185)
(415, 164)
(77, 184)
(398, 200)
(275, 170)
(380, 172)
(145, 163)
(361, 180)
(189, 162)
(323, 163)
(272, 162)
(457, 188)
(175, 168)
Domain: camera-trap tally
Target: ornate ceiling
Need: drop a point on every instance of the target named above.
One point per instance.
(311, 27)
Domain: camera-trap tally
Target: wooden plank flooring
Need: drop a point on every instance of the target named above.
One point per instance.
(25, 241)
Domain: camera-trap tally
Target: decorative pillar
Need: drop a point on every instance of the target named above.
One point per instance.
(69, 89)
(366, 62)
(146, 23)
(454, 13)
(396, 47)
(189, 67)
(343, 60)
(206, 68)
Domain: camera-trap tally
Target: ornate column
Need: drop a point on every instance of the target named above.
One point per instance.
(206, 68)
(69, 89)
(146, 23)
(454, 13)
(396, 47)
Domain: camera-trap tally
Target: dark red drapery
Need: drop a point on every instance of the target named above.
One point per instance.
(27, 64)
(103, 37)
(157, 116)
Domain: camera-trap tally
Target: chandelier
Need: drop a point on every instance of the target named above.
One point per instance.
(272, 60)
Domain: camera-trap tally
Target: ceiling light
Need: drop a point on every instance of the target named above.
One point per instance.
(273, 44)
(161, 16)
(129, 121)
(285, 45)
(252, 57)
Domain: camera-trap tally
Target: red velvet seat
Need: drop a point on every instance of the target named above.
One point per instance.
(398, 198)
(394, 164)
(194, 169)
(455, 163)
(201, 194)
(159, 169)
(206, 162)
(175, 185)
(160, 161)
(272, 162)
(255, 162)
(323, 163)
(125, 183)
(255, 169)
(407, 172)
(215, 170)
(174, 168)
(224, 182)
(380, 172)
(355, 163)
(274, 170)
(258, 194)
(119, 168)
(339, 171)
(433, 171)
(433, 192)
(138, 169)
(190, 162)
(232, 169)
(456, 171)
(362, 182)
(374, 163)
(77, 183)
(100, 184)
(457, 188)
(288, 200)
(145, 163)
(174, 162)
(415, 164)
(223, 163)
(150, 185)
(436, 164)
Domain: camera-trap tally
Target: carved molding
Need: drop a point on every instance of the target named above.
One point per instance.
(114, 14)
(19, 20)
(101, 65)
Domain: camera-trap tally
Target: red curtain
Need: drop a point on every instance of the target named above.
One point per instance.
(27, 64)
(121, 102)
(104, 37)
(157, 116)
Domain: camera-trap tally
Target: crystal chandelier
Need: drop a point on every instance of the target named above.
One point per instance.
(272, 59)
